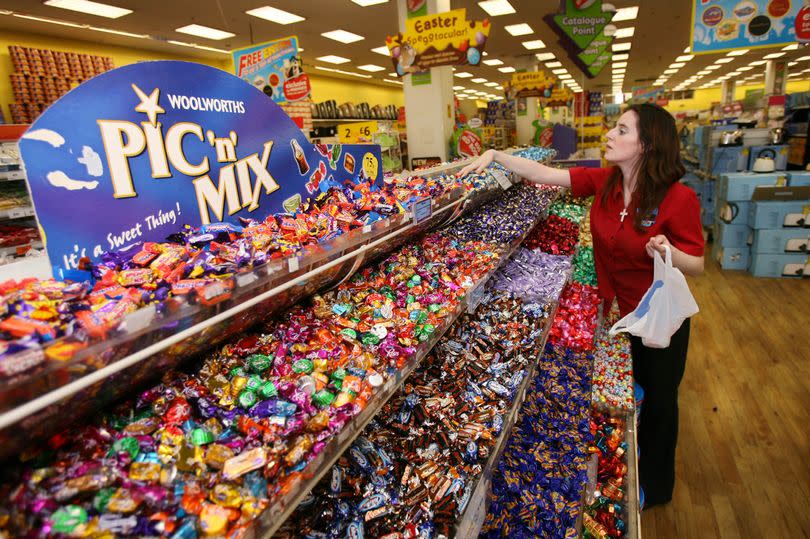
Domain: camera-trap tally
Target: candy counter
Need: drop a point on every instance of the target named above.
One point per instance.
(327, 454)
(79, 377)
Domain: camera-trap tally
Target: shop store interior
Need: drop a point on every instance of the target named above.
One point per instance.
(248, 291)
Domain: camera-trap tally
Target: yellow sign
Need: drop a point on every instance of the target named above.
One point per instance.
(438, 39)
(530, 84)
(357, 132)
(370, 165)
(488, 131)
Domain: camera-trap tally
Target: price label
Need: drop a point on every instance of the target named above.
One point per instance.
(357, 132)
(140, 319)
(503, 181)
(366, 229)
(293, 264)
(476, 294)
(16, 213)
(245, 279)
(781, 181)
(422, 209)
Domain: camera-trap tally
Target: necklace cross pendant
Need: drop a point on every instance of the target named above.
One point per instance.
(623, 214)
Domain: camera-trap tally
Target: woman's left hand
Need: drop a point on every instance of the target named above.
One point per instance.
(656, 245)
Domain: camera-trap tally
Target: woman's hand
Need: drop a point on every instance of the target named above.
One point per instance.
(479, 164)
(656, 245)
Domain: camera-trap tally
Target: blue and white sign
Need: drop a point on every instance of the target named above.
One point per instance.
(722, 25)
(137, 152)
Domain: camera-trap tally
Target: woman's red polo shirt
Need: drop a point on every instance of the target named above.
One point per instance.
(623, 268)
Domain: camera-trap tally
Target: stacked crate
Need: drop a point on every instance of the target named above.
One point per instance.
(781, 232)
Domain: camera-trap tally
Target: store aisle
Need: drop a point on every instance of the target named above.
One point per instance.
(744, 450)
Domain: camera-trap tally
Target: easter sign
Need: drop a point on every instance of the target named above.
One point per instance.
(134, 154)
(437, 40)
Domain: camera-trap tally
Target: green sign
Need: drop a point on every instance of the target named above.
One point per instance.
(596, 48)
(598, 64)
(418, 79)
(583, 25)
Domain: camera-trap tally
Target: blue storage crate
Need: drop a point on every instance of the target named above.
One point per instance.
(732, 258)
(798, 179)
(701, 135)
(707, 216)
(732, 213)
(726, 235)
(769, 265)
(778, 152)
(777, 214)
(781, 241)
(740, 186)
(728, 159)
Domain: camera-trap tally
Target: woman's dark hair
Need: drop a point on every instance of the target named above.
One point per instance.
(660, 163)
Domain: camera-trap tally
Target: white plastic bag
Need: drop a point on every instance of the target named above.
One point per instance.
(664, 307)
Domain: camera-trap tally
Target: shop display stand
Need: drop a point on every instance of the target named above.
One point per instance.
(281, 508)
(14, 172)
(631, 495)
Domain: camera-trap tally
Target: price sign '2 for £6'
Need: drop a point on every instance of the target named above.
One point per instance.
(354, 133)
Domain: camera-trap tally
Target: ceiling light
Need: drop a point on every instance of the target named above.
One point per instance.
(463, 75)
(625, 14)
(366, 3)
(343, 36)
(677, 65)
(758, 63)
(534, 44)
(91, 8)
(684, 58)
(704, 72)
(493, 62)
(746, 68)
(739, 52)
(495, 8)
(457, 88)
(687, 50)
(620, 57)
(564, 77)
(773, 55)
(559, 71)
(393, 81)
(332, 59)
(712, 67)
(491, 84)
(118, 32)
(620, 64)
(499, 87)
(791, 64)
(204, 31)
(803, 58)
(371, 68)
(195, 46)
(381, 50)
(543, 56)
(621, 70)
(521, 29)
(670, 71)
(479, 80)
(506, 69)
(617, 47)
(393, 75)
(791, 47)
(723, 60)
(52, 21)
(552, 65)
(361, 75)
(278, 16)
(622, 33)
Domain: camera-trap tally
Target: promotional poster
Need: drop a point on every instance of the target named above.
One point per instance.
(274, 68)
(723, 25)
(134, 154)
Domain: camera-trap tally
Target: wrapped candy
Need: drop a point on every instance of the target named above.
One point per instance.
(533, 275)
(575, 324)
(555, 235)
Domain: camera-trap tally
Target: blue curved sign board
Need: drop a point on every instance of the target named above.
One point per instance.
(134, 154)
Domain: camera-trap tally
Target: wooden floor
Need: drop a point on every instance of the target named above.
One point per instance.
(743, 459)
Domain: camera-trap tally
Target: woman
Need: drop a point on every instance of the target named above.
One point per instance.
(639, 207)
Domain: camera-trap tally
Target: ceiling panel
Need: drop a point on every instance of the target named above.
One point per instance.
(661, 34)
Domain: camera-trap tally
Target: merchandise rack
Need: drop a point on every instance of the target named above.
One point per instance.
(280, 509)
(472, 518)
(148, 342)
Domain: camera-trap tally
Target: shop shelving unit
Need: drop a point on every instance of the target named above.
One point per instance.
(12, 171)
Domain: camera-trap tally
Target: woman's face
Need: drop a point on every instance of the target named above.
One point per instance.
(623, 142)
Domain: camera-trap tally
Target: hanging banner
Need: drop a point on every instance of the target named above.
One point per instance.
(646, 94)
(437, 40)
(530, 84)
(584, 28)
(134, 154)
(274, 68)
(723, 25)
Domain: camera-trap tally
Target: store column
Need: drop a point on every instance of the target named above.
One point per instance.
(429, 114)
(528, 114)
